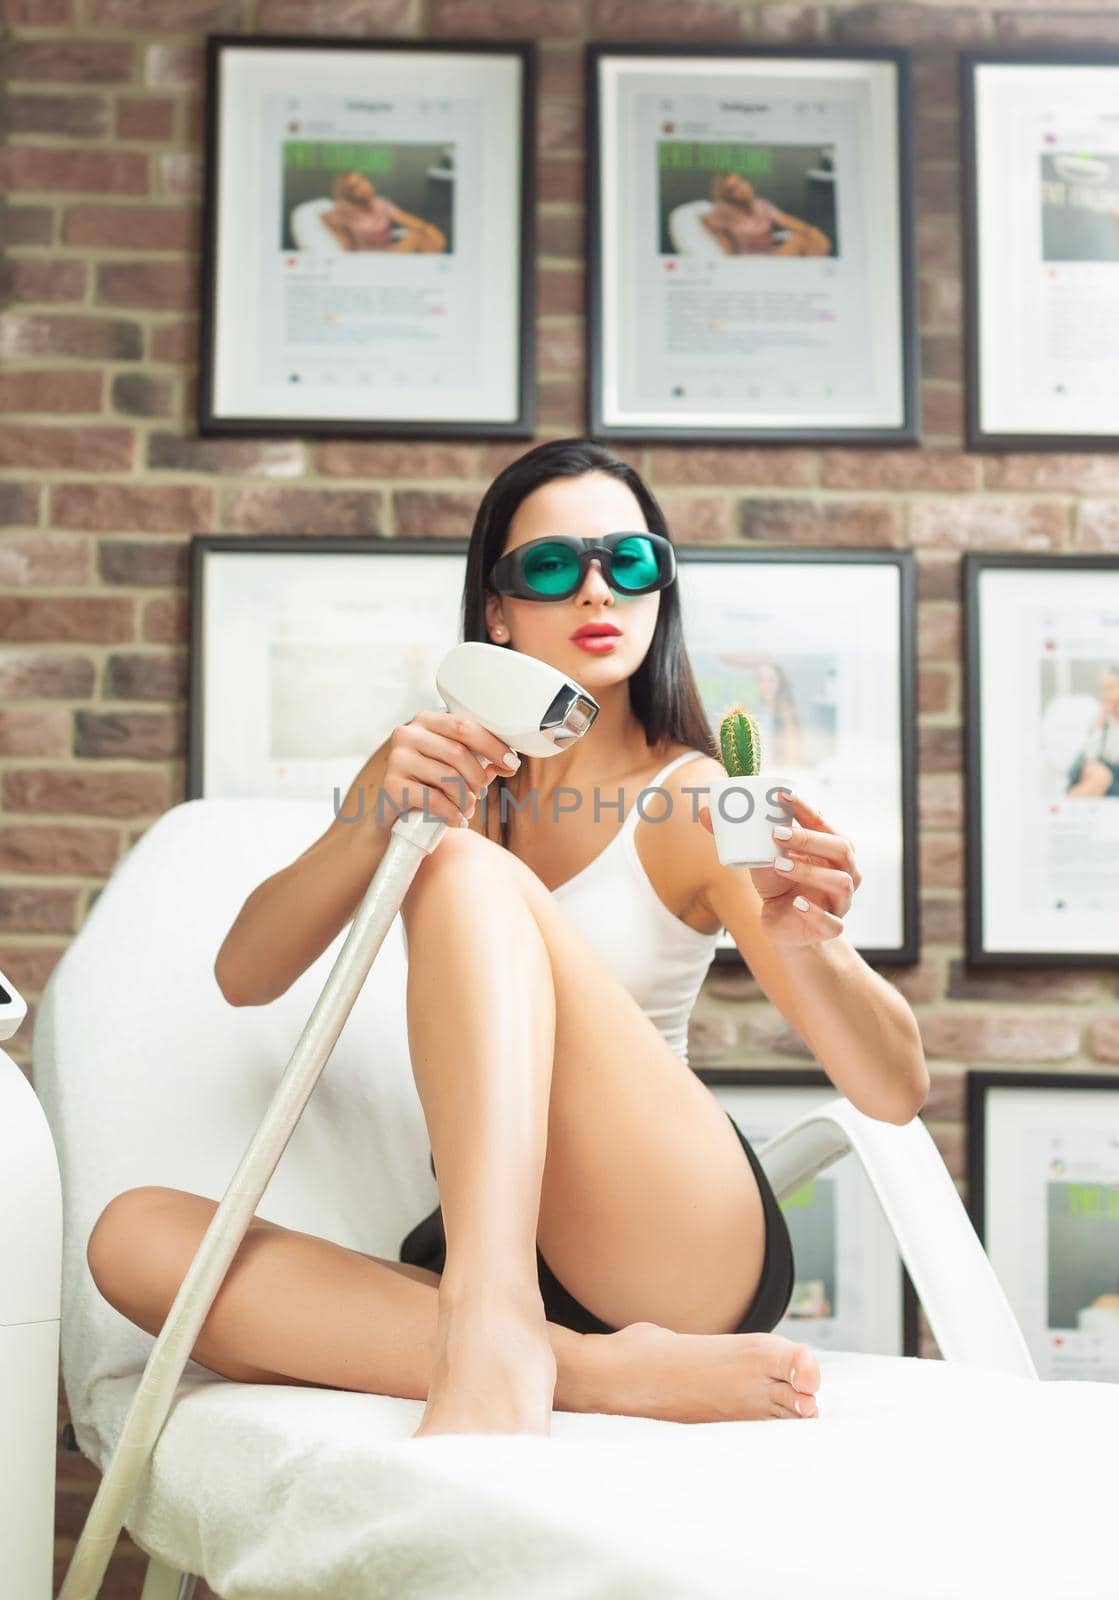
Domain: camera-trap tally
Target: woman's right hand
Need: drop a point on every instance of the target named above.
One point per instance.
(434, 750)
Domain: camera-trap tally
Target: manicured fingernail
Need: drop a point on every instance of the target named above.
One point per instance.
(792, 1375)
(511, 761)
(801, 903)
(783, 864)
(781, 832)
(799, 1412)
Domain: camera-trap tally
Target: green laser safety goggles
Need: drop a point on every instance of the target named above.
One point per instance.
(553, 568)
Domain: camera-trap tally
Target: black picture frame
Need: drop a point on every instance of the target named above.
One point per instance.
(1049, 1349)
(907, 430)
(213, 422)
(802, 1078)
(981, 435)
(982, 950)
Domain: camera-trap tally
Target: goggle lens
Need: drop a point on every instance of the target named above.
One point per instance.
(551, 568)
(634, 564)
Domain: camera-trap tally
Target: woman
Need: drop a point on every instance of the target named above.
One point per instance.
(362, 219)
(610, 1242)
(1094, 775)
(745, 225)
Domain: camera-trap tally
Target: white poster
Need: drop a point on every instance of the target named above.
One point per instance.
(750, 244)
(368, 236)
(1047, 237)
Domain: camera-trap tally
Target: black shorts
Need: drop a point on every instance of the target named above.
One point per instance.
(426, 1246)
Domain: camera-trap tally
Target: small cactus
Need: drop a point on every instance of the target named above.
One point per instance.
(741, 744)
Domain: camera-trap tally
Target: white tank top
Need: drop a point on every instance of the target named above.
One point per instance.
(657, 957)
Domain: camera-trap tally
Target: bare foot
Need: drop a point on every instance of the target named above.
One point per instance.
(650, 1371)
(494, 1371)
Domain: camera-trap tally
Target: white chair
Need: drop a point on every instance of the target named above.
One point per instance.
(919, 1477)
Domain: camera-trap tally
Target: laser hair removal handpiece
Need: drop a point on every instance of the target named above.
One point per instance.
(537, 711)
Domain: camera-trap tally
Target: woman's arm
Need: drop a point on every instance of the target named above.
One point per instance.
(291, 918)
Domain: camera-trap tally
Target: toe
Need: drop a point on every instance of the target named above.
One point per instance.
(803, 1370)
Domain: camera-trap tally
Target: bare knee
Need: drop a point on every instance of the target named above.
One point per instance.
(458, 854)
(124, 1247)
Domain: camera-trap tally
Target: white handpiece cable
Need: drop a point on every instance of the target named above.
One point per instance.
(538, 712)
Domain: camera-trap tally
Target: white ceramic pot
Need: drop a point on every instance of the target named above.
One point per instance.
(744, 812)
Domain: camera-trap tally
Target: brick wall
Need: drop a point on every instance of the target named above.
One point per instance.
(102, 480)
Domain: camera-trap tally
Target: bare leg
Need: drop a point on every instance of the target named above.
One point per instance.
(297, 1309)
(481, 1027)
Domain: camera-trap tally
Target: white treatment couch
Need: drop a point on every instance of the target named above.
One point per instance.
(920, 1478)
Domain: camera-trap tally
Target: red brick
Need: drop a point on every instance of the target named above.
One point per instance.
(136, 565)
(165, 16)
(1069, 986)
(141, 735)
(51, 389)
(44, 561)
(559, 71)
(560, 234)
(176, 66)
(71, 116)
(559, 126)
(936, 690)
(133, 227)
(733, 464)
(1000, 1036)
(559, 292)
(396, 459)
(34, 733)
(698, 518)
(38, 910)
(1097, 525)
(942, 919)
(942, 356)
(77, 791)
(28, 225)
(93, 619)
(32, 279)
(942, 410)
(146, 676)
(942, 861)
(987, 524)
(790, 24)
(909, 25)
(560, 180)
(143, 394)
(86, 449)
(176, 342)
(153, 120)
(56, 848)
(947, 1101)
(353, 18)
(560, 403)
(319, 511)
(940, 800)
(901, 469)
(560, 348)
(132, 508)
(38, 13)
(180, 174)
(939, 749)
(77, 61)
(938, 244)
(91, 338)
(1103, 1039)
(919, 984)
(836, 522)
(165, 621)
(706, 20)
(263, 458)
(941, 301)
(1064, 28)
(19, 505)
(549, 19)
(27, 676)
(1040, 473)
(938, 632)
(428, 514)
(74, 171)
(938, 576)
(30, 965)
(156, 285)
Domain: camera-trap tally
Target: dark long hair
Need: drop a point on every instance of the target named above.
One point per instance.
(663, 691)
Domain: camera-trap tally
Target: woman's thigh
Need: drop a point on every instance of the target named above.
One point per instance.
(649, 1210)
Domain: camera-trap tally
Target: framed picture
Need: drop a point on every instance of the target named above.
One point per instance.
(1041, 202)
(1042, 759)
(820, 647)
(851, 1291)
(307, 652)
(1043, 1186)
(750, 244)
(368, 238)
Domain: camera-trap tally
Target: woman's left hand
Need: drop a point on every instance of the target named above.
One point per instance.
(806, 902)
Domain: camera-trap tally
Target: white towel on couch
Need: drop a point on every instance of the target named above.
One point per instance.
(919, 1479)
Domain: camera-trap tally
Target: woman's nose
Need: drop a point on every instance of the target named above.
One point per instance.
(595, 586)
